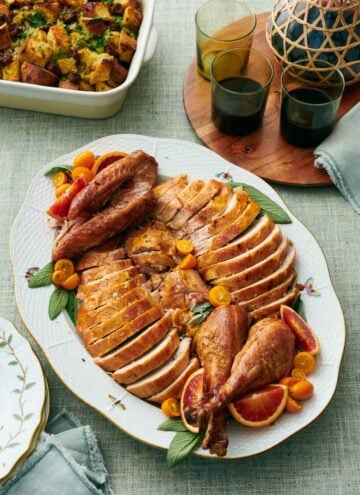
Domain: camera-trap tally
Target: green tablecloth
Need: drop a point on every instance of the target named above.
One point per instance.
(322, 459)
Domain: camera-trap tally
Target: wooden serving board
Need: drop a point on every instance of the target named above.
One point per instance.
(262, 152)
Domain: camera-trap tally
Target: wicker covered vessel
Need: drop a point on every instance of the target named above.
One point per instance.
(326, 30)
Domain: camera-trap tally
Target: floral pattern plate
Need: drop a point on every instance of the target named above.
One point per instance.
(22, 397)
(69, 358)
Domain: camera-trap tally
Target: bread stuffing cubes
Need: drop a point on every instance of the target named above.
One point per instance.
(70, 44)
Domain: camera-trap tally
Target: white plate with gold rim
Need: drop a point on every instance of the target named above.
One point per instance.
(68, 356)
(22, 397)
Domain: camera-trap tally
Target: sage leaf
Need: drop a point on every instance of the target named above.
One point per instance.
(71, 306)
(201, 307)
(182, 445)
(266, 204)
(58, 302)
(172, 425)
(59, 168)
(299, 307)
(42, 277)
(199, 318)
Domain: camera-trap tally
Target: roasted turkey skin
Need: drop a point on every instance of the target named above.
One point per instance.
(129, 206)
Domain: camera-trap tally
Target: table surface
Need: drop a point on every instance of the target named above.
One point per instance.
(324, 458)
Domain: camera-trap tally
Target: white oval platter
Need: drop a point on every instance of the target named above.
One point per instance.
(69, 358)
(22, 397)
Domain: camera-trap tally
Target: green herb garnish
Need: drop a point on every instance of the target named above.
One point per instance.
(58, 301)
(37, 20)
(59, 168)
(71, 307)
(266, 204)
(201, 312)
(299, 307)
(42, 277)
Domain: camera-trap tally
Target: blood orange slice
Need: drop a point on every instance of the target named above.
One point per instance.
(191, 394)
(261, 407)
(306, 340)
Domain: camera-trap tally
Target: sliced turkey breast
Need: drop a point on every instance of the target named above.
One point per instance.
(255, 234)
(164, 376)
(164, 187)
(93, 259)
(195, 204)
(269, 282)
(123, 316)
(175, 388)
(206, 215)
(149, 361)
(137, 346)
(255, 272)
(231, 231)
(162, 202)
(113, 291)
(125, 332)
(87, 318)
(269, 296)
(96, 286)
(245, 260)
(99, 272)
(181, 199)
(274, 307)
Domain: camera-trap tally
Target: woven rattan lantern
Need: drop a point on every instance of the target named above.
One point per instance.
(317, 29)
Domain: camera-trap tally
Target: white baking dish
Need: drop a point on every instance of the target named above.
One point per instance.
(87, 104)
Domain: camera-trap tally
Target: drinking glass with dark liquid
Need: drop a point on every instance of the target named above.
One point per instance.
(240, 82)
(310, 100)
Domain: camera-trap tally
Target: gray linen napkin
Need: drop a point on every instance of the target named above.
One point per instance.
(339, 155)
(67, 461)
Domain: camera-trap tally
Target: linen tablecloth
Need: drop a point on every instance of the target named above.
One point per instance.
(324, 458)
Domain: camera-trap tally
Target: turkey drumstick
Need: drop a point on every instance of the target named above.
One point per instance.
(218, 341)
(266, 357)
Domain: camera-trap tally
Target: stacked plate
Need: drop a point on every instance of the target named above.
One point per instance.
(24, 400)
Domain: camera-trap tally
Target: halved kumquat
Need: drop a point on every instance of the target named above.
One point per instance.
(184, 246)
(66, 266)
(59, 178)
(171, 407)
(219, 296)
(84, 159)
(298, 374)
(305, 361)
(58, 277)
(59, 191)
(302, 390)
(288, 381)
(82, 172)
(71, 282)
(188, 262)
(293, 405)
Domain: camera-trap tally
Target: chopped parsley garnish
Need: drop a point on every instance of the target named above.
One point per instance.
(107, 2)
(37, 20)
(118, 21)
(97, 43)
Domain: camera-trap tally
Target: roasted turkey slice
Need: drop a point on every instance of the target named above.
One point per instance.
(149, 361)
(164, 376)
(137, 346)
(175, 388)
(125, 332)
(92, 259)
(245, 260)
(255, 234)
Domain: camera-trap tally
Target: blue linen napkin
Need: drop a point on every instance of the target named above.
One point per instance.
(339, 155)
(67, 461)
